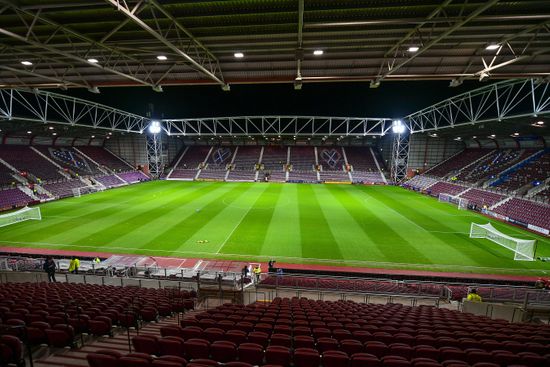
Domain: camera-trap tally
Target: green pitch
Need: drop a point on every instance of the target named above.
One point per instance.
(347, 225)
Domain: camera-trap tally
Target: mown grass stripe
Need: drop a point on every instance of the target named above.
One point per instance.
(315, 233)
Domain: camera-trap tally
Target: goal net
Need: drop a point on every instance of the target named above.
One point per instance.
(79, 191)
(524, 250)
(20, 216)
(461, 203)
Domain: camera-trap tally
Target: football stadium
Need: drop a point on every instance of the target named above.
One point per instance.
(282, 183)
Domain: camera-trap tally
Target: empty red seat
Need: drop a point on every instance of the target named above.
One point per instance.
(326, 344)
(335, 358)
(306, 357)
(251, 353)
(197, 348)
(281, 339)
(101, 360)
(147, 344)
(304, 341)
(351, 346)
(171, 345)
(236, 336)
(258, 337)
(278, 355)
(223, 351)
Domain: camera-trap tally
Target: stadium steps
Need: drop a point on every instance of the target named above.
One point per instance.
(119, 342)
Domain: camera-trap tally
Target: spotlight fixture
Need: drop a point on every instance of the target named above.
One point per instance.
(492, 136)
(515, 134)
(93, 61)
(54, 134)
(413, 48)
(374, 84)
(492, 46)
(397, 127)
(29, 132)
(318, 52)
(238, 55)
(455, 83)
(162, 58)
(26, 63)
(50, 127)
(540, 123)
(154, 128)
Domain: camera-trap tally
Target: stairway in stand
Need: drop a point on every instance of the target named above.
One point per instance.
(119, 342)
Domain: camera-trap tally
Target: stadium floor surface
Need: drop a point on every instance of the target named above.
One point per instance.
(344, 225)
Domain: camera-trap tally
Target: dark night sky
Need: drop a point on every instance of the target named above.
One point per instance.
(391, 99)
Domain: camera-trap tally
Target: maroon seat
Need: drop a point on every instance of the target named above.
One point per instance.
(197, 348)
(162, 363)
(110, 352)
(190, 332)
(223, 351)
(15, 346)
(281, 339)
(365, 359)
(171, 345)
(146, 344)
(251, 353)
(304, 341)
(182, 361)
(306, 357)
(133, 362)
(376, 348)
(60, 336)
(101, 360)
(326, 344)
(278, 355)
(258, 337)
(149, 314)
(335, 358)
(351, 346)
(100, 325)
(171, 330)
(235, 336)
(213, 334)
(237, 364)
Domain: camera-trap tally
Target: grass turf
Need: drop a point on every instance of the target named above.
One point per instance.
(370, 226)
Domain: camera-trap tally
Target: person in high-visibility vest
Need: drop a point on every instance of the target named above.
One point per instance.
(473, 296)
(257, 272)
(74, 265)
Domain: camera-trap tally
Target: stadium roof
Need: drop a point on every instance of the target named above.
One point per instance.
(89, 44)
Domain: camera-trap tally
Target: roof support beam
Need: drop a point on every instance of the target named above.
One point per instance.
(110, 59)
(202, 60)
(299, 50)
(63, 83)
(495, 102)
(488, 4)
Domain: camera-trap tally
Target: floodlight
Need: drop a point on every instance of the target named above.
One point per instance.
(26, 63)
(238, 55)
(398, 127)
(414, 48)
(93, 61)
(492, 46)
(162, 58)
(318, 52)
(154, 128)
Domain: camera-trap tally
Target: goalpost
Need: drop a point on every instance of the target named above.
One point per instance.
(461, 203)
(524, 250)
(79, 191)
(20, 216)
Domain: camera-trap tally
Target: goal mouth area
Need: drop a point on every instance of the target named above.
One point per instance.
(20, 215)
(524, 250)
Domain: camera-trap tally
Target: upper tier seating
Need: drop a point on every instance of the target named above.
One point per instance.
(244, 166)
(490, 166)
(274, 158)
(457, 162)
(445, 188)
(481, 197)
(13, 197)
(68, 157)
(189, 163)
(526, 211)
(543, 195)
(24, 159)
(6, 178)
(536, 170)
(105, 158)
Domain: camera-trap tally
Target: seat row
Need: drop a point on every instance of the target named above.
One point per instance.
(374, 354)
